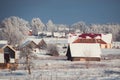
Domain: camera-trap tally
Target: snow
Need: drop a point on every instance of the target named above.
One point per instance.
(3, 42)
(110, 51)
(61, 69)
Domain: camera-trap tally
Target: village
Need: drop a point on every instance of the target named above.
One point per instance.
(60, 56)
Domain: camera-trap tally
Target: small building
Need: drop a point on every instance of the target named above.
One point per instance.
(37, 45)
(59, 34)
(83, 52)
(7, 56)
(30, 44)
(42, 44)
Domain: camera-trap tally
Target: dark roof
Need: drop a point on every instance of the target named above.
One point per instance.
(28, 43)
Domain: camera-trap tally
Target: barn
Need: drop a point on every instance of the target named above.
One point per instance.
(83, 52)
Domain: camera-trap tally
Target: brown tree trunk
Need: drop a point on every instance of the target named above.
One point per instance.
(28, 64)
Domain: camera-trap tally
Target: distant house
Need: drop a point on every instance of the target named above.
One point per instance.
(83, 52)
(30, 44)
(116, 45)
(36, 44)
(108, 39)
(42, 44)
(105, 40)
(59, 34)
(7, 56)
(30, 33)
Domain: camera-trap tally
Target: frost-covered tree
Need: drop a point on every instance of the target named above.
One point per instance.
(50, 26)
(62, 27)
(37, 25)
(14, 29)
(106, 28)
(81, 26)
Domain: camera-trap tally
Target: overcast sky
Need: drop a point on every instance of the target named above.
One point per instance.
(63, 11)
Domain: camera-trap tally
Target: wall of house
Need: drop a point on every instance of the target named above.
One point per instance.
(102, 46)
(1, 58)
(1, 51)
(109, 45)
(106, 46)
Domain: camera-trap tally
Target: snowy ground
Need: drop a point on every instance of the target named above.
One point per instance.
(58, 68)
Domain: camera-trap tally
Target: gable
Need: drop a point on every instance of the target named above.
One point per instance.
(42, 43)
(107, 38)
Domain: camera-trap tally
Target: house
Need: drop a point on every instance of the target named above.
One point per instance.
(30, 33)
(59, 34)
(8, 56)
(116, 45)
(42, 44)
(108, 39)
(83, 52)
(30, 44)
(105, 40)
(37, 45)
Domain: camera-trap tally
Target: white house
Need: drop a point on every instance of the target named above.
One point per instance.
(84, 52)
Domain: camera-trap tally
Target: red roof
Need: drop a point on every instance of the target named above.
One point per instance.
(89, 41)
(91, 35)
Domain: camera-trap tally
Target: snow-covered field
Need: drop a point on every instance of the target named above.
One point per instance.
(58, 68)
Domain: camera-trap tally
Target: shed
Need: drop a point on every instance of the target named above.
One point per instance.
(83, 52)
(7, 56)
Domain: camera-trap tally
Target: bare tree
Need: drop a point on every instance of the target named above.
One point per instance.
(26, 53)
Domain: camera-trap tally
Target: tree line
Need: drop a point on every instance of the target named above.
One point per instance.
(15, 29)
